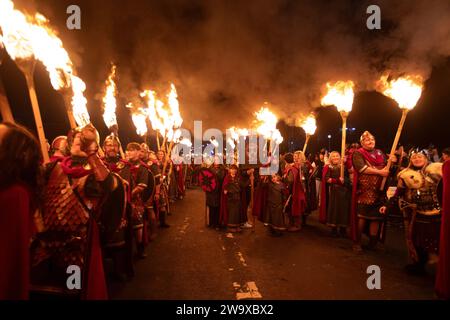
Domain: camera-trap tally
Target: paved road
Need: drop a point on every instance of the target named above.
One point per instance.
(191, 261)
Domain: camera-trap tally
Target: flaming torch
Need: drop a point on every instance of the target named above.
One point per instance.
(406, 91)
(17, 38)
(28, 39)
(267, 125)
(340, 94)
(309, 126)
(110, 105)
(139, 116)
(152, 105)
(172, 120)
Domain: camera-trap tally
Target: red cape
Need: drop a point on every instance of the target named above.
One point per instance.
(259, 200)
(223, 216)
(94, 279)
(443, 269)
(15, 234)
(298, 194)
(378, 161)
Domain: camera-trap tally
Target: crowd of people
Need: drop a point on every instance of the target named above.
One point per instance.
(355, 197)
(97, 213)
(99, 208)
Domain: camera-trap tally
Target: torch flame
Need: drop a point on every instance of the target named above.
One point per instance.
(309, 125)
(339, 94)
(139, 116)
(79, 102)
(16, 32)
(27, 37)
(267, 125)
(406, 91)
(166, 121)
(109, 100)
(267, 122)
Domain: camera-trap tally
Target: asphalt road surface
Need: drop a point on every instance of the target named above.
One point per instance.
(189, 261)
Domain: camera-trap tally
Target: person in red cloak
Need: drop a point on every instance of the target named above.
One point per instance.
(230, 202)
(367, 199)
(77, 190)
(442, 286)
(294, 179)
(335, 196)
(20, 176)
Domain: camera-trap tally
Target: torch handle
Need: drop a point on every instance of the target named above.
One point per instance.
(167, 158)
(306, 142)
(344, 138)
(157, 140)
(394, 145)
(37, 116)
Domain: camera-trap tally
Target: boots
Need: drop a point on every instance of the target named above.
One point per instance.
(162, 220)
(141, 251)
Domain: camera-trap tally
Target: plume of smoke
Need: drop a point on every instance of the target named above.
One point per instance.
(227, 57)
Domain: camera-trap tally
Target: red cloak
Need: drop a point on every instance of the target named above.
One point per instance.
(443, 270)
(259, 200)
(15, 234)
(298, 194)
(375, 160)
(223, 216)
(180, 179)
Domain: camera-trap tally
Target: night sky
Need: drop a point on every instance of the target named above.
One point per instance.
(227, 58)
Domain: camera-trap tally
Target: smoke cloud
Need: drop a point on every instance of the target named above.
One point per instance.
(227, 58)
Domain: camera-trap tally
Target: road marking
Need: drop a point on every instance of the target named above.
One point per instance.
(241, 259)
(248, 291)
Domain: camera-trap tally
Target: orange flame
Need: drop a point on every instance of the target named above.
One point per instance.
(339, 94)
(406, 91)
(109, 100)
(165, 120)
(139, 116)
(26, 37)
(309, 125)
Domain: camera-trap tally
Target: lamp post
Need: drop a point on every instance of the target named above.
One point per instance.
(329, 142)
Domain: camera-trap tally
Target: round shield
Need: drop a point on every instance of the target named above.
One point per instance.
(207, 179)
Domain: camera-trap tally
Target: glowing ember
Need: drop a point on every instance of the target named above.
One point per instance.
(340, 94)
(109, 100)
(406, 91)
(309, 125)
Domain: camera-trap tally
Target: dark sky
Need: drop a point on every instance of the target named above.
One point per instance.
(228, 57)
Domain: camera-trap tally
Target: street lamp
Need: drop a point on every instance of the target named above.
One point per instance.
(329, 142)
